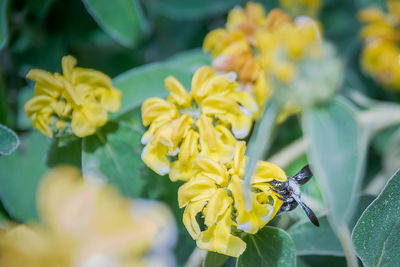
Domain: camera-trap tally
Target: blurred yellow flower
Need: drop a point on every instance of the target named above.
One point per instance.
(85, 223)
(301, 7)
(381, 35)
(77, 100)
(260, 47)
(216, 192)
(204, 121)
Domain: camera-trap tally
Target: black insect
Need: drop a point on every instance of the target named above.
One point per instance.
(290, 193)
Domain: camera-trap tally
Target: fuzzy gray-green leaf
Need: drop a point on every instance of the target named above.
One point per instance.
(377, 233)
(9, 141)
(270, 247)
(123, 20)
(337, 153)
(311, 240)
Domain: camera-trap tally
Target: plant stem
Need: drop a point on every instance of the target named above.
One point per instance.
(379, 118)
(289, 153)
(196, 258)
(347, 244)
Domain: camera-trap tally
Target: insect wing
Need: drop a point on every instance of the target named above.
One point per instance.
(310, 214)
(304, 175)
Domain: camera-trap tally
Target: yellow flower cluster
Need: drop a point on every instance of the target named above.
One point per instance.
(193, 137)
(75, 102)
(204, 121)
(381, 35)
(216, 192)
(257, 46)
(85, 223)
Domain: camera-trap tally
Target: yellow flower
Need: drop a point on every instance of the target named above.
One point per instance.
(204, 121)
(216, 193)
(262, 48)
(233, 47)
(302, 7)
(77, 100)
(85, 223)
(380, 56)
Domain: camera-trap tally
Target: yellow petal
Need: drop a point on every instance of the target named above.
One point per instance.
(92, 77)
(211, 44)
(219, 105)
(211, 169)
(68, 63)
(87, 118)
(372, 14)
(189, 147)
(178, 93)
(207, 132)
(37, 103)
(200, 76)
(216, 206)
(72, 93)
(181, 171)
(214, 85)
(189, 218)
(224, 148)
(218, 238)
(198, 188)
(251, 220)
(157, 109)
(41, 121)
(154, 155)
(46, 80)
(268, 171)
(111, 100)
(241, 125)
(62, 109)
(246, 100)
(255, 12)
(235, 17)
(238, 159)
(180, 127)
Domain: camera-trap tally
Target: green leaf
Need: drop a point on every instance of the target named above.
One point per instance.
(113, 154)
(337, 152)
(192, 59)
(363, 203)
(23, 122)
(3, 23)
(325, 261)
(214, 259)
(259, 143)
(123, 20)
(20, 176)
(377, 233)
(191, 9)
(146, 81)
(311, 240)
(271, 246)
(64, 155)
(9, 140)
